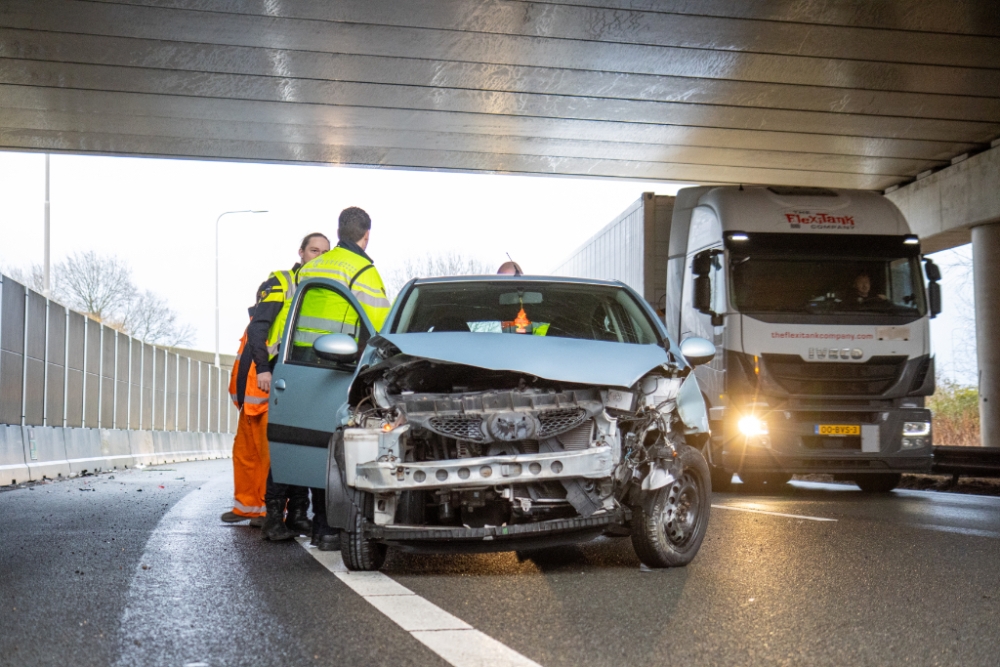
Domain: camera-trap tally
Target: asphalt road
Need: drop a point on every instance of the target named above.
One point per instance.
(138, 570)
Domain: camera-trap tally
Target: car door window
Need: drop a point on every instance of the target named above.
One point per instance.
(321, 310)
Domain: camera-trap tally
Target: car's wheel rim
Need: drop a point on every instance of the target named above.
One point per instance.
(681, 510)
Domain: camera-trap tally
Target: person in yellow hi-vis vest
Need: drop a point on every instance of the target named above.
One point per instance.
(249, 388)
(324, 312)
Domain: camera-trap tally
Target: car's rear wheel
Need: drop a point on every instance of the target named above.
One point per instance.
(358, 551)
(878, 483)
(670, 524)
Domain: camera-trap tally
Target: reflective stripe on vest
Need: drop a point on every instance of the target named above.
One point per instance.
(330, 313)
(287, 281)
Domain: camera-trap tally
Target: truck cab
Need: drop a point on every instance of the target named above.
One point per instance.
(819, 302)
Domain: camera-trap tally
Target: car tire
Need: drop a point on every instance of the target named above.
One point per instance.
(359, 552)
(879, 483)
(669, 525)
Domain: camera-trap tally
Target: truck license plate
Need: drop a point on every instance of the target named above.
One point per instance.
(837, 429)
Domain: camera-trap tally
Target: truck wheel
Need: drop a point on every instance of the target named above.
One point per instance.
(359, 552)
(670, 524)
(722, 479)
(880, 483)
(757, 482)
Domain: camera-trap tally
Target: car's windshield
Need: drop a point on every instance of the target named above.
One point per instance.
(827, 280)
(563, 310)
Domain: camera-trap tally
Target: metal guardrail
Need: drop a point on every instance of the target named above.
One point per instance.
(967, 461)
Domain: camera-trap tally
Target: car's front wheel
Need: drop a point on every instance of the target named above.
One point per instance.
(670, 524)
(358, 551)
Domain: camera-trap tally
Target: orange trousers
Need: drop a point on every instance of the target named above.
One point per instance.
(251, 461)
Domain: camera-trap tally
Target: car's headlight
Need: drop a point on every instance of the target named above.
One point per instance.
(750, 425)
(916, 429)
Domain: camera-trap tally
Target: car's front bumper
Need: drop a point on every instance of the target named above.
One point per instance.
(483, 471)
(533, 535)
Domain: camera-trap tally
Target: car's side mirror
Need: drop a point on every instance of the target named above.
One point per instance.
(698, 351)
(337, 347)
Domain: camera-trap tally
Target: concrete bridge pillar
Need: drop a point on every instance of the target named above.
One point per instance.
(985, 259)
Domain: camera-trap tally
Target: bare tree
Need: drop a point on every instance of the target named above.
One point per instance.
(150, 318)
(965, 365)
(33, 276)
(443, 264)
(101, 287)
(96, 285)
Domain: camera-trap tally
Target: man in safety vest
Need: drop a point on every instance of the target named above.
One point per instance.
(324, 312)
(249, 388)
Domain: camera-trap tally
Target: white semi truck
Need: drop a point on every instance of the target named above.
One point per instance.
(818, 301)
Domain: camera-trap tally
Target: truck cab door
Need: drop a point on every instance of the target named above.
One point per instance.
(307, 392)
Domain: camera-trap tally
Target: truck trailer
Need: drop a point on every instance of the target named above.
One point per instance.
(818, 301)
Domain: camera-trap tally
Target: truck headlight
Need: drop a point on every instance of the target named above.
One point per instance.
(750, 426)
(915, 434)
(916, 429)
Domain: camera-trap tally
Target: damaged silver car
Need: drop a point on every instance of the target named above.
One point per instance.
(498, 413)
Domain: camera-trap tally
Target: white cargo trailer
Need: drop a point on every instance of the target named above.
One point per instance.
(817, 303)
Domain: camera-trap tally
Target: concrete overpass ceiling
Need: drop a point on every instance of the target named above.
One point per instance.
(846, 93)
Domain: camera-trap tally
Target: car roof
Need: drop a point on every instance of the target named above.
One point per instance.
(530, 279)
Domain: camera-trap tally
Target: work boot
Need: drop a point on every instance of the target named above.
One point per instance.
(274, 522)
(257, 522)
(324, 537)
(297, 519)
(233, 517)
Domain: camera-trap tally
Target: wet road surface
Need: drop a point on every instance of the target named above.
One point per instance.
(138, 570)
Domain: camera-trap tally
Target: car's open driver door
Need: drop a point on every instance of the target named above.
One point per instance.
(306, 391)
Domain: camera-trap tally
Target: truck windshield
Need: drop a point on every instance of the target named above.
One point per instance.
(873, 276)
(555, 310)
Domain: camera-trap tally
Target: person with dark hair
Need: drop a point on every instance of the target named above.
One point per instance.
(861, 294)
(249, 387)
(323, 312)
(347, 263)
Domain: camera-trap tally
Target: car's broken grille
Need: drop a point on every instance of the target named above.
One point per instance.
(554, 422)
(458, 427)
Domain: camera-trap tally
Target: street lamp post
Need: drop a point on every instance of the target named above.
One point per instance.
(217, 276)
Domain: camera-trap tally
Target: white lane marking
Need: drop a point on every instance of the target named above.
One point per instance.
(457, 642)
(412, 613)
(756, 511)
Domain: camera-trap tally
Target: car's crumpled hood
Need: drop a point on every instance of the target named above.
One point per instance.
(560, 359)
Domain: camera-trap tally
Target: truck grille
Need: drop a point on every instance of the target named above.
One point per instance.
(796, 376)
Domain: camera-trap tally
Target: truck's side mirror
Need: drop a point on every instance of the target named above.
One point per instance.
(932, 270)
(701, 267)
(933, 288)
(934, 296)
(703, 294)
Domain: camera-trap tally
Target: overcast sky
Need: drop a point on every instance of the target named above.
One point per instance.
(160, 215)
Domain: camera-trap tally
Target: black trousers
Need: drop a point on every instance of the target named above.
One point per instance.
(275, 491)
